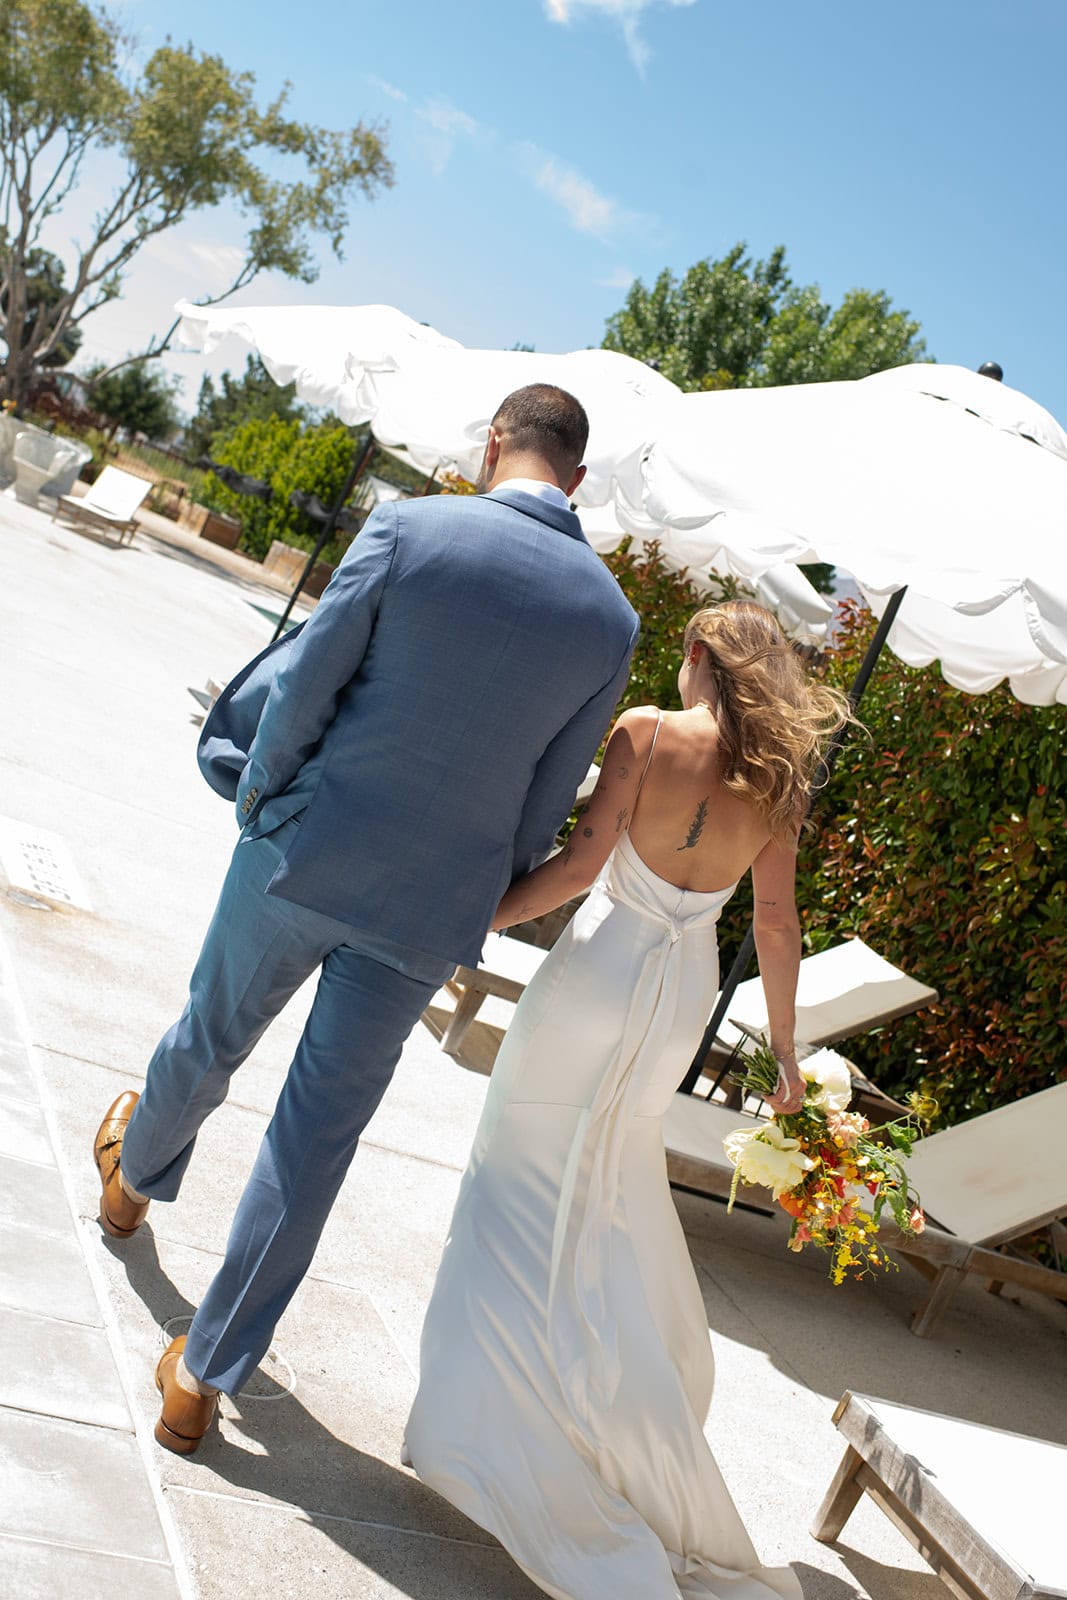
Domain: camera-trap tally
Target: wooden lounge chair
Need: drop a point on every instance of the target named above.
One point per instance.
(843, 991)
(506, 967)
(109, 506)
(984, 1507)
(846, 990)
(984, 1184)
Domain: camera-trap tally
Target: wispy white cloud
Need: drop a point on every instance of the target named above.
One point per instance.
(443, 125)
(627, 13)
(621, 278)
(210, 266)
(587, 209)
(385, 87)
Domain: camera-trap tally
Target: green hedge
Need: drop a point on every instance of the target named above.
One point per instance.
(940, 841)
(288, 456)
(664, 600)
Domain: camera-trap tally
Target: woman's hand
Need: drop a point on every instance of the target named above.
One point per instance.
(789, 1091)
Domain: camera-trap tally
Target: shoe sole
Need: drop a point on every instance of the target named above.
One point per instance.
(105, 1221)
(179, 1443)
(111, 1228)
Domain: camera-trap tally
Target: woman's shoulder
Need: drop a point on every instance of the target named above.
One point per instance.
(638, 726)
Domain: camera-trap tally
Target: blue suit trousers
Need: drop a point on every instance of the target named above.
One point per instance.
(259, 949)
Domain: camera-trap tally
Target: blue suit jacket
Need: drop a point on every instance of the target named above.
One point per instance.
(433, 719)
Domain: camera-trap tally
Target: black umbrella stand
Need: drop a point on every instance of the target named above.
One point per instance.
(359, 467)
(743, 959)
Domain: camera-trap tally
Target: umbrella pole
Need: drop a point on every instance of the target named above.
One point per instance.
(359, 467)
(743, 958)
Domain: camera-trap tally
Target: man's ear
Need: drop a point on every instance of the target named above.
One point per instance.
(492, 454)
(575, 481)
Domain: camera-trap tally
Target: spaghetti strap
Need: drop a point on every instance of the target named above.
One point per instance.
(651, 750)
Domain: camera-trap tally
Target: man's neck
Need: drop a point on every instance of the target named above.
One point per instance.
(543, 488)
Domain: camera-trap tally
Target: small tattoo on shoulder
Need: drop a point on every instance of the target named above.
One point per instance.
(587, 833)
(624, 772)
(696, 827)
(620, 818)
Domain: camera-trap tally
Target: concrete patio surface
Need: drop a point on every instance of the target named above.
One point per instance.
(300, 1491)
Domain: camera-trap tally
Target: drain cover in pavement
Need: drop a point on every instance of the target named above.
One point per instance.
(39, 864)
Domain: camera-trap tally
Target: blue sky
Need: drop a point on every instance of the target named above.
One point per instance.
(548, 151)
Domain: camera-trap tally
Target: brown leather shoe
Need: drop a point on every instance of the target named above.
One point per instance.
(119, 1215)
(185, 1417)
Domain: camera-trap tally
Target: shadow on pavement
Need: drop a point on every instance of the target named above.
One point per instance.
(290, 1452)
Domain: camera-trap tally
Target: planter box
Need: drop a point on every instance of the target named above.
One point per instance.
(221, 530)
(286, 562)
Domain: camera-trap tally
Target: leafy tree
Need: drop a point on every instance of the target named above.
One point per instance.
(187, 134)
(736, 323)
(139, 398)
(44, 286)
(253, 395)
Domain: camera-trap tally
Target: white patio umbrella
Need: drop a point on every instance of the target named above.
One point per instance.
(422, 391)
(927, 479)
(803, 613)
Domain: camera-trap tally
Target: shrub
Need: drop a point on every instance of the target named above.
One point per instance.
(664, 600)
(940, 841)
(288, 456)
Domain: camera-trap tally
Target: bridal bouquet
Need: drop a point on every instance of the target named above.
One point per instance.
(818, 1161)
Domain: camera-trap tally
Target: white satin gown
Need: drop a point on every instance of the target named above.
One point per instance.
(566, 1367)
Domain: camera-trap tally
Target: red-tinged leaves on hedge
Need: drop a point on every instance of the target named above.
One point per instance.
(941, 843)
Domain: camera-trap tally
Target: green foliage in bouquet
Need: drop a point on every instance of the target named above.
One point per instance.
(821, 1162)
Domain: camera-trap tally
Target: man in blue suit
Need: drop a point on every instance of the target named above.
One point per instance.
(421, 742)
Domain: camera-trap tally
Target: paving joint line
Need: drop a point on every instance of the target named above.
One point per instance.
(84, 1549)
(257, 1111)
(289, 1509)
(171, 1538)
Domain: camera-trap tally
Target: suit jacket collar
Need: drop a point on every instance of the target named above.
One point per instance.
(543, 510)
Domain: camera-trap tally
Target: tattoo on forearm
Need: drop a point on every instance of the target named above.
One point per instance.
(587, 833)
(766, 902)
(567, 851)
(620, 818)
(696, 827)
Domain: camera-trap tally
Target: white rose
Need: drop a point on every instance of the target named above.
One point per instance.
(833, 1082)
(766, 1156)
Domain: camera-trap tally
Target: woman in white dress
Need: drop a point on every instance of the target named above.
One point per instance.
(566, 1367)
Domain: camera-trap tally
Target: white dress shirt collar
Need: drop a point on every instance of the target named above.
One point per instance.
(543, 491)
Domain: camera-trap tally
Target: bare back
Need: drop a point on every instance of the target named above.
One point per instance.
(686, 827)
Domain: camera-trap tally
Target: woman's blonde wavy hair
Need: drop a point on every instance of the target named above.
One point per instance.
(774, 723)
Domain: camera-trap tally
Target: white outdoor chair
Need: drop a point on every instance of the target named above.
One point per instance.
(109, 506)
(982, 1184)
(39, 459)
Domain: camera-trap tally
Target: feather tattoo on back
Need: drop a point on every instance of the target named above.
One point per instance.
(696, 827)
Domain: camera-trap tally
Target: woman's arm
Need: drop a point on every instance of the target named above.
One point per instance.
(777, 930)
(597, 830)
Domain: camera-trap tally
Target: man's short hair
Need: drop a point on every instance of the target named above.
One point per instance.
(548, 421)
